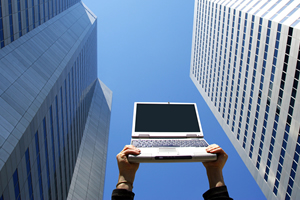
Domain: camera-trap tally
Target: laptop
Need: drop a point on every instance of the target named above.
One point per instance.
(168, 132)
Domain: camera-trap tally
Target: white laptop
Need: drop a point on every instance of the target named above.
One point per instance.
(168, 132)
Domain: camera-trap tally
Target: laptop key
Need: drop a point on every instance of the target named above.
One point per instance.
(169, 143)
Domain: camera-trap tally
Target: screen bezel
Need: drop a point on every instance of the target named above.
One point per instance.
(165, 134)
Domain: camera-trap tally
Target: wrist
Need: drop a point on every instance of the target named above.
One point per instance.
(215, 177)
(124, 185)
(125, 182)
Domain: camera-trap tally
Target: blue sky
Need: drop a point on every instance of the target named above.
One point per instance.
(144, 52)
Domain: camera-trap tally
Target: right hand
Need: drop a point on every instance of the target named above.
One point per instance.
(214, 168)
(221, 159)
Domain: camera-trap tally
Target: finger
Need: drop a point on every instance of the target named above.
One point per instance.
(212, 147)
(126, 152)
(216, 149)
(132, 151)
(129, 147)
(220, 152)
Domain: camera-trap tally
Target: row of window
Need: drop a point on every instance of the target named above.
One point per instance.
(293, 169)
(226, 67)
(40, 13)
(280, 11)
(271, 8)
(209, 33)
(196, 48)
(290, 114)
(65, 121)
(261, 8)
(215, 80)
(73, 140)
(229, 64)
(261, 146)
(234, 70)
(220, 59)
(283, 7)
(290, 14)
(214, 75)
(208, 37)
(216, 57)
(260, 86)
(212, 83)
(273, 137)
(253, 6)
(240, 65)
(253, 78)
(246, 72)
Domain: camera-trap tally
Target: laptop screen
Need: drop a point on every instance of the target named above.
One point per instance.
(166, 118)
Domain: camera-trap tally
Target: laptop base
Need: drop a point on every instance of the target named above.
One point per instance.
(167, 158)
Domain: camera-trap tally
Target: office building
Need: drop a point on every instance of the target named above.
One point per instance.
(54, 111)
(245, 62)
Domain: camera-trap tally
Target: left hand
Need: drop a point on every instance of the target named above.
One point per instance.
(127, 170)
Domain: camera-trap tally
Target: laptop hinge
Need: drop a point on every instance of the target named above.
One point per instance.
(144, 135)
(191, 135)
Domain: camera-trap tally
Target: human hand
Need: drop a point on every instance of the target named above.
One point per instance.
(127, 170)
(214, 168)
(221, 159)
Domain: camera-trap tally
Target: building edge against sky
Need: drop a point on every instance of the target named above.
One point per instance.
(51, 102)
(245, 63)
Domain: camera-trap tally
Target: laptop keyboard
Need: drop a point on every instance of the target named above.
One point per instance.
(169, 143)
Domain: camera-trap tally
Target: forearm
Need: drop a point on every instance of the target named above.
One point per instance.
(215, 178)
(125, 182)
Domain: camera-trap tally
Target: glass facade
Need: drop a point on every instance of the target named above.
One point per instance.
(32, 13)
(246, 66)
(49, 93)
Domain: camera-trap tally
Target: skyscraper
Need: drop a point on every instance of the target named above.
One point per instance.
(54, 111)
(245, 62)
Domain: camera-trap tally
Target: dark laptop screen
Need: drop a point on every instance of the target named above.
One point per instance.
(166, 118)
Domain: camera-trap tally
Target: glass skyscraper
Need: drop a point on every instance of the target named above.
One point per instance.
(245, 62)
(54, 111)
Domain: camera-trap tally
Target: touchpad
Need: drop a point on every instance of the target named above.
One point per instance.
(169, 151)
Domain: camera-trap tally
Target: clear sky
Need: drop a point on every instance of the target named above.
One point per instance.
(144, 53)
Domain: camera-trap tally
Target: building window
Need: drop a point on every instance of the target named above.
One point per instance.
(44, 11)
(1, 28)
(19, 18)
(26, 15)
(47, 157)
(48, 10)
(53, 149)
(38, 162)
(16, 185)
(10, 17)
(29, 178)
(33, 13)
(39, 12)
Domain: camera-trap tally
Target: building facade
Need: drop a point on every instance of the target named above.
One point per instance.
(245, 62)
(54, 111)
